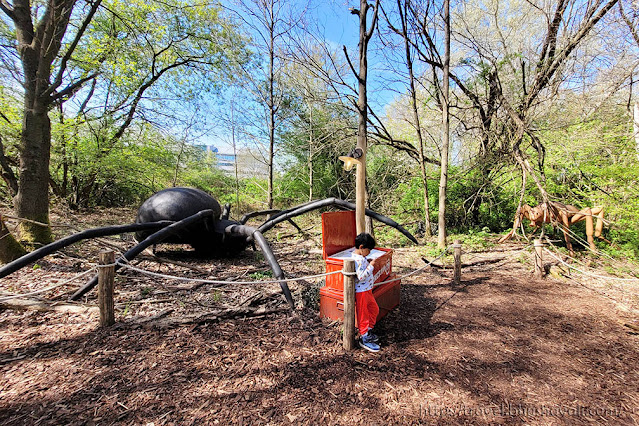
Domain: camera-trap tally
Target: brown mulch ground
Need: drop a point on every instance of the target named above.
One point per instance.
(502, 348)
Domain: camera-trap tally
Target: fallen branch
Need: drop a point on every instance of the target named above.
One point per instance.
(632, 327)
(42, 306)
(152, 256)
(17, 358)
(155, 317)
(216, 315)
(466, 265)
(134, 302)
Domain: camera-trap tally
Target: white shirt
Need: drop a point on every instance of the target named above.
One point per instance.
(364, 272)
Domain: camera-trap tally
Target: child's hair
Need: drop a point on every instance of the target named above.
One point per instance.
(365, 240)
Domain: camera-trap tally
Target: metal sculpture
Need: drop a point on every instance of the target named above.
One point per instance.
(563, 215)
(191, 216)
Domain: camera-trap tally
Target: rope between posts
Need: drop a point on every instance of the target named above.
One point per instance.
(35, 222)
(200, 280)
(107, 265)
(416, 270)
(589, 274)
(44, 290)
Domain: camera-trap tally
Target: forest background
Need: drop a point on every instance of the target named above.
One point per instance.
(541, 106)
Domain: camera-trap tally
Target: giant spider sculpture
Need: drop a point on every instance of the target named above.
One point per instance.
(562, 215)
(191, 216)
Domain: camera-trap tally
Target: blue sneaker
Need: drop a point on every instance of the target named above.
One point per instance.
(373, 337)
(366, 343)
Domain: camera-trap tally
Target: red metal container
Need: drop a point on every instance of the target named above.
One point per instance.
(338, 238)
(386, 295)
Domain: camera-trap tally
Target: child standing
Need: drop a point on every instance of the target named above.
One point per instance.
(365, 303)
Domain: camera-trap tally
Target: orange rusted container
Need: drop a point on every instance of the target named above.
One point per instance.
(338, 240)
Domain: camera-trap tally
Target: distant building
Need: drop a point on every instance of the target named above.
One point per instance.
(207, 148)
(226, 162)
(247, 163)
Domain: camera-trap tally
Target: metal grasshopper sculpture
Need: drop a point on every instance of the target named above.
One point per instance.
(562, 215)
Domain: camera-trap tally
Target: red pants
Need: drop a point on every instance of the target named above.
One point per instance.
(367, 310)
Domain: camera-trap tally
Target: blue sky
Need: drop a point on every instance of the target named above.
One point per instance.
(340, 28)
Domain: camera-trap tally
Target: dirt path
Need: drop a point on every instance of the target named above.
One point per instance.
(503, 348)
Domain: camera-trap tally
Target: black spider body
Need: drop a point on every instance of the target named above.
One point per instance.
(207, 236)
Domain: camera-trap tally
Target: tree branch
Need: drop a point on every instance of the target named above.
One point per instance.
(548, 70)
(7, 172)
(371, 29)
(72, 88)
(7, 9)
(4, 117)
(350, 64)
(138, 97)
(631, 26)
(65, 59)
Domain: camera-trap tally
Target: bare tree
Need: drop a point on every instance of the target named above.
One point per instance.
(365, 34)
(443, 179)
(631, 19)
(404, 10)
(269, 22)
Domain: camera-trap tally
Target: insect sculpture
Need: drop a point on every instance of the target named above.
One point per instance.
(562, 215)
(191, 216)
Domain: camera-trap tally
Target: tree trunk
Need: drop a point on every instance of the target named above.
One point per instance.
(362, 105)
(38, 47)
(636, 127)
(271, 106)
(32, 200)
(65, 159)
(310, 152)
(7, 172)
(443, 180)
(234, 142)
(418, 128)
(10, 249)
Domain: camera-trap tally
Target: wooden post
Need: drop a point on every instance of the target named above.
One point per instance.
(106, 276)
(457, 254)
(539, 261)
(349, 304)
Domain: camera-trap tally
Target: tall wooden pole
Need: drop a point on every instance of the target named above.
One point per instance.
(365, 35)
(362, 141)
(348, 335)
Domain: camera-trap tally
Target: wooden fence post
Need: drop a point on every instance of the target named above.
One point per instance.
(457, 255)
(349, 304)
(539, 260)
(106, 277)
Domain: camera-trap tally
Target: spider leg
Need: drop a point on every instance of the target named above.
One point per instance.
(336, 202)
(256, 236)
(226, 212)
(247, 216)
(19, 263)
(273, 212)
(151, 239)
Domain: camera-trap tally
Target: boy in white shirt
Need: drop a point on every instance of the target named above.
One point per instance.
(365, 303)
